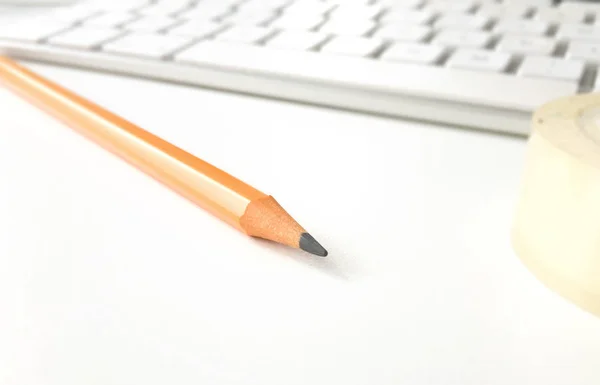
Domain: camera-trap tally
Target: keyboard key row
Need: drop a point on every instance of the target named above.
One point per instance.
(370, 9)
(583, 42)
(468, 44)
(158, 46)
(383, 74)
(403, 20)
(445, 13)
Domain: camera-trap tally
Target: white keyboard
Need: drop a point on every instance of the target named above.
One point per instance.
(474, 63)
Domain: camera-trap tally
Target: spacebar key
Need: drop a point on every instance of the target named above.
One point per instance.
(452, 85)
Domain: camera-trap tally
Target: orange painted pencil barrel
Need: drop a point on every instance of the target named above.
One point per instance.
(228, 198)
(202, 183)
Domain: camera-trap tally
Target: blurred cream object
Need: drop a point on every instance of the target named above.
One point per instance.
(557, 227)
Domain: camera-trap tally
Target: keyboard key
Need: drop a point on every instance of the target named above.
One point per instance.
(352, 3)
(544, 3)
(572, 31)
(462, 38)
(357, 28)
(402, 3)
(173, 3)
(353, 46)
(125, 5)
(414, 53)
(197, 28)
(31, 32)
(403, 32)
(85, 37)
(408, 16)
(502, 11)
(297, 40)
(275, 3)
(165, 8)
(309, 8)
(251, 17)
(259, 5)
(522, 27)
(463, 6)
(588, 8)
(208, 11)
(535, 3)
(216, 3)
(479, 60)
(463, 21)
(527, 45)
(552, 68)
(152, 24)
(110, 19)
(558, 16)
(245, 34)
(351, 11)
(147, 45)
(72, 14)
(586, 51)
(308, 22)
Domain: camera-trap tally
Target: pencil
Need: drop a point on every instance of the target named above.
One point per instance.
(233, 201)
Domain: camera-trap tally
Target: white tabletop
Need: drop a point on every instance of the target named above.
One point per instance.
(106, 277)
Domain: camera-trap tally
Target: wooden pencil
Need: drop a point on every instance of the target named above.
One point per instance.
(235, 202)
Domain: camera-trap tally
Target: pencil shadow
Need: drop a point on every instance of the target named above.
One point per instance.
(325, 265)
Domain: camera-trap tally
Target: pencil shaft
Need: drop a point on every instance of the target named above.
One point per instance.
(209, 187)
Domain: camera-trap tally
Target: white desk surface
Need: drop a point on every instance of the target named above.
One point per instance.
(106, 277)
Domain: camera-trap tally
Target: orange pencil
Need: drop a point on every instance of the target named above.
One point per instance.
(235, 202)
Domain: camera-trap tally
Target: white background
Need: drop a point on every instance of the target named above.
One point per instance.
(106, 277)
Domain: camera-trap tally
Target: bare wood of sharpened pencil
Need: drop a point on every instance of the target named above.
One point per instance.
(235, 202)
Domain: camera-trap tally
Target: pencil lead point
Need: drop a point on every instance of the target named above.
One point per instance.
(309, 244)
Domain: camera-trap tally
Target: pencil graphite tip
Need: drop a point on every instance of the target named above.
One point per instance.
(310, 245)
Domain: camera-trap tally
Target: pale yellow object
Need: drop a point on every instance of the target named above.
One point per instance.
(557, 225)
